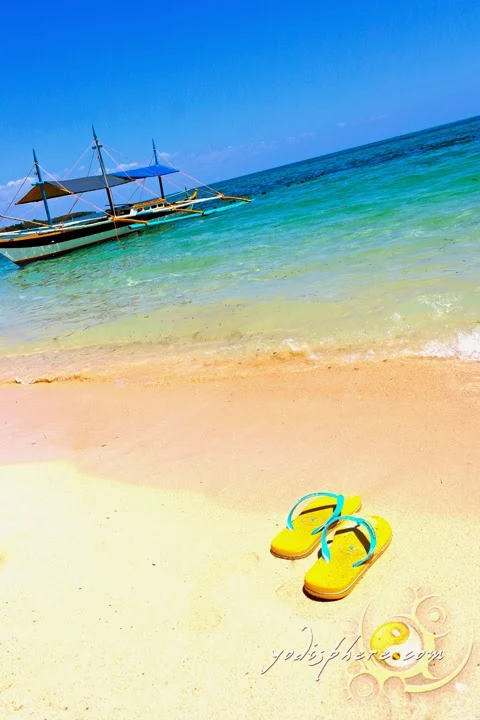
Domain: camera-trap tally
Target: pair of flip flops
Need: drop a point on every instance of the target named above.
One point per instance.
(349, 544)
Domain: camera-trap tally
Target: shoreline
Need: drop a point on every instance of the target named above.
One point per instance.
(135, 523)
(191, 338)
(153, 364)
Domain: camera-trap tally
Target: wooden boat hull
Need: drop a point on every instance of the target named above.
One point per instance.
(22, 252)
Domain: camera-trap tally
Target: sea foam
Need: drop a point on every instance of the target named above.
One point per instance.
(466, 346)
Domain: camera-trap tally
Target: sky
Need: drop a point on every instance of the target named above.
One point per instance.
(228, 88)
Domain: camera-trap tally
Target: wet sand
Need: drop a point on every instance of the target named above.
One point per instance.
(136, 519)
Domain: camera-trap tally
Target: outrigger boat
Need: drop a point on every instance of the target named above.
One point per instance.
(23, 244)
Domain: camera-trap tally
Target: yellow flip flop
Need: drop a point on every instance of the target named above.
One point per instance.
(357, 543)
(302, 535)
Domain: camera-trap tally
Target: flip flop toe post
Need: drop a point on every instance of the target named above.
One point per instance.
(356, 545)
(302, 534)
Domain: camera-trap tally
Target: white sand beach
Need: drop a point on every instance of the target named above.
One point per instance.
(135, 526)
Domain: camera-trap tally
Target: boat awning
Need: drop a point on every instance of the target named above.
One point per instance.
(54, 189)
(145, 172)
(60, 188)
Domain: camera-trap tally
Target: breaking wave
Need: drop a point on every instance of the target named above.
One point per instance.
(466, 346)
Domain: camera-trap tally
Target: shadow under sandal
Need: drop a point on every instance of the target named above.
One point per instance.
(357, 543)
(302, 534)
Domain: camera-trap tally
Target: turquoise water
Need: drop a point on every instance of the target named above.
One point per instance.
(373, 251)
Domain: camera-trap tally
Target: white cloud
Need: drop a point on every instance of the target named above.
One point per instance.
(218, 156)
(362, 121)
(123, 166)
(12, 187)
(14, 184)
(292, 139)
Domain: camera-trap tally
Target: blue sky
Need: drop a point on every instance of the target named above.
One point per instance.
(229, 88)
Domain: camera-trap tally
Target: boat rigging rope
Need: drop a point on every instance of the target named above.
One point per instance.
(137, 182)
(68, 192)
(5, 214)
(172, 182)
(88, 174)
(24, 220)
(142, 186)
(202, 184)
(79, 160)
(122, 155)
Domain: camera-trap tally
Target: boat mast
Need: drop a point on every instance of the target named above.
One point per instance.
(38, 173)
(156, 163)
(97, 147)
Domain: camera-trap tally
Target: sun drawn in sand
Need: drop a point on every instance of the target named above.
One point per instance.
(403, 648)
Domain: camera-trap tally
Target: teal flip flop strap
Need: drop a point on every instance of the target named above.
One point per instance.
(335, 515)
(359, 521)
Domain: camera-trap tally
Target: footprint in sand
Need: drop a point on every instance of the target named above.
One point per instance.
(291, 593)
(221, 578)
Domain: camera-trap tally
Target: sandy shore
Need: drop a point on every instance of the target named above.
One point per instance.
(135, 525)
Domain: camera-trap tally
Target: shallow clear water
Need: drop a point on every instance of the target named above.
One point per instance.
(373, 250)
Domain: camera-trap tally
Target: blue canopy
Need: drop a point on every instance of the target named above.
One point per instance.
(145, 172)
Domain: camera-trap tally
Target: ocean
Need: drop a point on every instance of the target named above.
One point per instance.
(370, 253)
